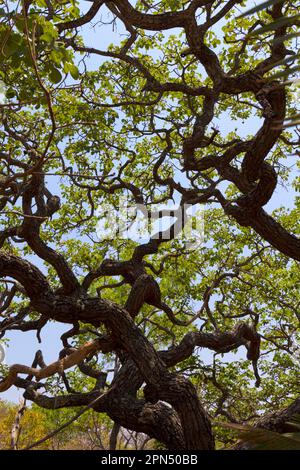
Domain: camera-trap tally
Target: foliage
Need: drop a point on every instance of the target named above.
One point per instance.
(90, 432)
(33, 426)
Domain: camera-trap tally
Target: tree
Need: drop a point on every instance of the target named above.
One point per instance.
(21, 426)
(19, 430)
(161, 114)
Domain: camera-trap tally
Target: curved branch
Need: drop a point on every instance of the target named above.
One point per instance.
(242, 335)
(28, 275)
(56, 367)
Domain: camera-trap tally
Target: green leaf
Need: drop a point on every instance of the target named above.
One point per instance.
(11, 45)
(47, 37)
(41, 3)
(74, 71)
(55, 76)
(10, 93)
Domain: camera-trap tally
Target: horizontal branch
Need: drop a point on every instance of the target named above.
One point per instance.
(56, 367)
(242, 335)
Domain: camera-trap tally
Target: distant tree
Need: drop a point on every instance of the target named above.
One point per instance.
(31, 427)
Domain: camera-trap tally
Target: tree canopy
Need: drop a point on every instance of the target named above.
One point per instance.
(187, 104)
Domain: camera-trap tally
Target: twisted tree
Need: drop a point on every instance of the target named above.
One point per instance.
(160, 114)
